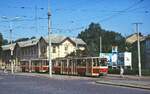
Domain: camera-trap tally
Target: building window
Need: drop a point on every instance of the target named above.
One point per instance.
(43, 49)
(66, 48)
(54, 49)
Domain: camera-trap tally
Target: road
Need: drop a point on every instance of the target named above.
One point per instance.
(19, 84)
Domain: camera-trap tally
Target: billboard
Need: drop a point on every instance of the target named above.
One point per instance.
(125, 59)
(114, 59)
(108, 56)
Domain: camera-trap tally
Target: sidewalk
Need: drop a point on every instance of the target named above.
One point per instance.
(127, 81)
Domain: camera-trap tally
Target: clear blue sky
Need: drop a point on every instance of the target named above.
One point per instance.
(69, 17)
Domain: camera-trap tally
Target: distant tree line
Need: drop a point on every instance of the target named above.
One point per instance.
(92, 34)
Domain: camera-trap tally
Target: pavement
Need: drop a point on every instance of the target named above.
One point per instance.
(126, 81)
(111, 79)
(33, 83)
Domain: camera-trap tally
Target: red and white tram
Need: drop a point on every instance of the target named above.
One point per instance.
(86, 66)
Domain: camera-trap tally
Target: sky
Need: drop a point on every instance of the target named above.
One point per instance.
(28, 18)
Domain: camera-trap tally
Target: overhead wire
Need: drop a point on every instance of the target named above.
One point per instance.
(122, 11)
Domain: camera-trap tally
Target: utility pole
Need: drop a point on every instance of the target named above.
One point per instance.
(49, 41)
(138, 45)
(11, 45)
(76, 48)
(36, 20)
(100, 45)
(11, 51)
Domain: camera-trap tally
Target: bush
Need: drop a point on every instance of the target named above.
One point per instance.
(113, 71)
(130, 72)
(145, 72)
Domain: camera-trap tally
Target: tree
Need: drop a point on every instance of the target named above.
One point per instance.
(92, 34)
(21, 39)
(5, 41)
(33, 37)
(1, 41)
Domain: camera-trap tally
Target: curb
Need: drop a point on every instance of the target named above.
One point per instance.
(123, 84)
(59, 77)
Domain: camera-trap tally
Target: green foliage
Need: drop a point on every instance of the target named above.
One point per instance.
(78, 53)
(113, 71)
(145, 72)
(21, 39)
(24, 39)
(92, 34)
(134, 50)
(5, 41)
(33, 37)
(1, 41)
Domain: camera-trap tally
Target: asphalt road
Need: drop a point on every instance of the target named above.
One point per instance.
(19, 84)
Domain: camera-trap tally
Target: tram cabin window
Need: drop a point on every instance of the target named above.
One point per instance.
(103, 62)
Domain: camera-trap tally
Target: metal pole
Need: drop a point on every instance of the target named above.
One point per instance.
(49, 41)
(76, 47)
(11, 45)
(138, 45)
(11, 51)
(100, 45)
(36, 20)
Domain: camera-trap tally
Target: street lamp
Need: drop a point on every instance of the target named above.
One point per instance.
(49, 41)
(138, 45)
(11, 45)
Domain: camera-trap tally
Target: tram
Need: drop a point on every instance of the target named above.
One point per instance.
(85, 66)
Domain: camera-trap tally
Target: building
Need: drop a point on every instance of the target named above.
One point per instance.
(147, 53)
(145, 48)
(62, 46)
(27, 53)
(133, 38)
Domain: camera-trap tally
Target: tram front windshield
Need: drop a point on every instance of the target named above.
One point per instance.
(103, 62)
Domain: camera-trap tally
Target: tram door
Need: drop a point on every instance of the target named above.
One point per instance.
(88, 67)
(64, 66)
(73, 67)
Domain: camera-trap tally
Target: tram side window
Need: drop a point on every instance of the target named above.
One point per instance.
(81, 63)
(89, 62)
(96, 62)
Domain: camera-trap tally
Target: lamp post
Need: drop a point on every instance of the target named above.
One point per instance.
(49, 41)
(138, 45)
(11, 45)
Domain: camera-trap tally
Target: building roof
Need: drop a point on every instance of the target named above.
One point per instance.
(28, 42)
(60, 38)
(21, 44)
(133, 38)
(56, 39)
(78, 41)
(8, 47)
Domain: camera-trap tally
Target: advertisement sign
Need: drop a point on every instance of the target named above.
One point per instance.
(114, 59)
(124, 59)
(127, 59)
(108, 56)
(120, 59)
